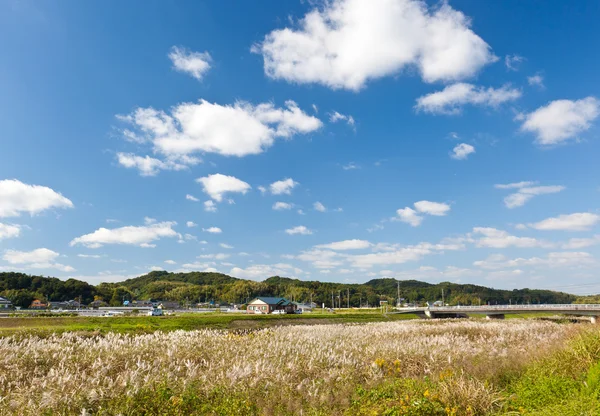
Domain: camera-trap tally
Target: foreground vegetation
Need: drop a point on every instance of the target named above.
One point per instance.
(458, 367)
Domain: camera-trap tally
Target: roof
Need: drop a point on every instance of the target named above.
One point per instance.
(4, 300)
(273, 301)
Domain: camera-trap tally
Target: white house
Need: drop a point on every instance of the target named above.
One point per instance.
(5, 303)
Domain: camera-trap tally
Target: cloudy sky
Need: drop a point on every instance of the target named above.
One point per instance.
(340, 141)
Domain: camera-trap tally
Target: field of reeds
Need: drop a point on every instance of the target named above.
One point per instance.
(458, 367)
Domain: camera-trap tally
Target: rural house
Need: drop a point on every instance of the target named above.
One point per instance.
(269, 305)
(5, 303)
(38, 304)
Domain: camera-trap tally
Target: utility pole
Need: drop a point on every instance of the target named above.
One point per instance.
(348, 294)
(443, 303)
(360, 301)
(332, 303)
(398, 298)
(340, 299)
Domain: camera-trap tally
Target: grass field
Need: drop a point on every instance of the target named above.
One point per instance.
(184, 321)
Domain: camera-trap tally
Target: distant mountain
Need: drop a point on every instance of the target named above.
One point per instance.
(196, 287)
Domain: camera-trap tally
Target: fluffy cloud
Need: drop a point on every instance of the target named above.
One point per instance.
(409, 216)
(462, 151)
(284, 186)
(171, 262)
(577, 243)
(513, 62)
(412, 217)
(349, 42)
(17, 197)
(231, 130)
(191, 224)
(227, 246)
(494, 238)
(432, 208)
(210, 206)
(41, 258)
(191, 198)
(452, 98)
(319, 207)
(262, 271)
(556, 259)
(572, 222)
(526, 192)
(89, 256)
(346, 245)
(536, 80)
(141, 236)
(9, 231)
(280, 206)
(213, 230)
(300, 229)
(217, 185)
(149, 166)
(561, 120)
(335, 117)
(195, 64)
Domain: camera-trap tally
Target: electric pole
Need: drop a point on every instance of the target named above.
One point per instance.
(348, 295)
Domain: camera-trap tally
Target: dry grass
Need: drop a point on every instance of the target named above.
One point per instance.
(279, 370)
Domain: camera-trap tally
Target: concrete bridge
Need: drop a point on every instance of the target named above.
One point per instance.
(499, 311)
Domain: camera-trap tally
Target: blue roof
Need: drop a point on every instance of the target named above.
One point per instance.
(273, 300)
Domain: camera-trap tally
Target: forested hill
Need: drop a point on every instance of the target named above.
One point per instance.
(196, 287)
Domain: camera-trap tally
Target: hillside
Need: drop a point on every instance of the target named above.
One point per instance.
(196, 287)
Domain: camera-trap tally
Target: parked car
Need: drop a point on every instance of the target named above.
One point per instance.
(298, 311)
(278, 312)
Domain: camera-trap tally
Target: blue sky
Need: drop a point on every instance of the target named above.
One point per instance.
(437, 141)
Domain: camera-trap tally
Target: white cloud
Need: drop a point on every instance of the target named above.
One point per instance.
(210, 206)
(346, 245)
(577, 243)
(513, 62)
(319, 207)
(515, 185)
(409, 216)
(280, 206)
(215, 256)
(191, 224)
(462, 151)
(139, 236)
(232, 130)
(41, 258)
(9, 231)
(227, 246)
(432, 208)
(349, 42)
(213, 230)
(561, 120)
(300, 229)
(536, 81)
(17, 197)
(195, 64)
(217, 185)
(191, 198)
(148, 220)
(89, 256)
(552, 260)
(350, 166)
(263, 271)
(335, 117)
(526, 192)
(284, 186)
(572, 222)
(171, 262)
(451, 99)
(495, 238)
(149, 166)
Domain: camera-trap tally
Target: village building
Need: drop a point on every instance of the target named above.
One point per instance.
(38, 304)
(5, 303)
(268, 305)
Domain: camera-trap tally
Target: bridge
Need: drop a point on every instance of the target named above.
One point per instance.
(499, 311)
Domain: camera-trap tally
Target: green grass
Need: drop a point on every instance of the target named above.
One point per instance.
(184, 321)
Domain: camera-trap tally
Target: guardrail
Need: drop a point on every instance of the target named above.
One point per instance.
(569, 307)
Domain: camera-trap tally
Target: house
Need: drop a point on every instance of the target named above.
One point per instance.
(164, 304)
(70, 304)
(5, 303)
(269, 305)
(38, 304)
